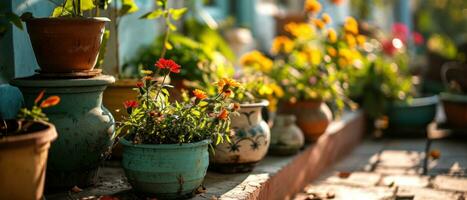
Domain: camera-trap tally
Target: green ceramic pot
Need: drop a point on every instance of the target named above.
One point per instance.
(165, 171)
(416, 113)
(84, 127)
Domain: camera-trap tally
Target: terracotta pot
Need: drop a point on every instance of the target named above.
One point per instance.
(23, 160)
(249, 144)
(286, 136)
(455, 108)
(116, 94)
(313, 117)
(64, 45)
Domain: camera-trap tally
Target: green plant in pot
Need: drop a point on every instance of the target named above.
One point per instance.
(68, 41)
(24, 144)
(165, 144)
(251, 140)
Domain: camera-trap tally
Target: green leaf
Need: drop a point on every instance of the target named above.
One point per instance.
(177, 13)
(128, 7)
(14, 19)
(152, 15)
(172, 27)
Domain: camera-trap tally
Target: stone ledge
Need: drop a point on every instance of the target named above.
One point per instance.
(273, 178)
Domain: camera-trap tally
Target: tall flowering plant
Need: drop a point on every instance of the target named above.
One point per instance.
(154, 120)
(313, 61)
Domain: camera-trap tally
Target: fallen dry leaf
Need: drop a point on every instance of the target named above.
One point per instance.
(435, 154)
(344, 174)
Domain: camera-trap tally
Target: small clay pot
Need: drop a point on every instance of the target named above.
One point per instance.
(23, 159)
(455, 108)
(313, 117)
(65, 45)
(286, 136)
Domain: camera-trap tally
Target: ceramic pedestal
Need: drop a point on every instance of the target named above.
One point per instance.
(249, 144)
(84, 127)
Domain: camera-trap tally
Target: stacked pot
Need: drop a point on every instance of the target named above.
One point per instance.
(66, 50)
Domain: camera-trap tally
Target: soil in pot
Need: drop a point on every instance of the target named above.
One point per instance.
(165, 171)
(455, 108)
(23, 159)
(64, 45)
(248, 146)
(313, 117)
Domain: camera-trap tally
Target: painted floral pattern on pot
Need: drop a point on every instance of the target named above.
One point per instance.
(248, 145)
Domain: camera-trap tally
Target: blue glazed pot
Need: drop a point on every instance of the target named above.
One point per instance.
(167, 171)
(413, 114)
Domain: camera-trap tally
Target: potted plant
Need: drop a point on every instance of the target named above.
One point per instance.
(311, 66)
(122, 90)
(24, 145)
(251, 140)
(173, 138)
(455, 99)
(68, 41)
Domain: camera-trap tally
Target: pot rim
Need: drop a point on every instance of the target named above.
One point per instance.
(452, 97)
(125, 142)
(419, 102)
(39, 137)
(262, 103)
(34, 82)
(48, 19)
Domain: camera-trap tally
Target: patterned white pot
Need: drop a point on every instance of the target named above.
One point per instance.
(249, 144)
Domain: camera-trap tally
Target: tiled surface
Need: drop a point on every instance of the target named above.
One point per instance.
(392, 169)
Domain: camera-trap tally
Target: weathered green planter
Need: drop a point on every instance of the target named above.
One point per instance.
(417, 113)
(166, 171)
(84, 127)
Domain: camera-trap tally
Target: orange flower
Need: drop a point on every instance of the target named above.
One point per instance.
(199, 94)
(319, 23)
(50, 101)
(223, 115)
(332, 35)
(326, 18)
(281, 44)
(39, 97)
(312, 6)
(332, 51)
(236, 106)
(226, 83)
(351, 25)
(337, 2)
(139, 84)
(228, 93)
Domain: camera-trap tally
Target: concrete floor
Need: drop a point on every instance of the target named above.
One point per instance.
(392, 169)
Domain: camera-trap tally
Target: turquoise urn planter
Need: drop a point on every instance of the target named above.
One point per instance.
(84, 127)
(417, 113)
(165, 171)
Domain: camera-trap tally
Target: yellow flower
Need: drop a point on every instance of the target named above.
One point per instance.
(332, 35)
(361, 40)
(351, 41)
(313, 56)
(312, 6)
(299, 30)
(256, 60)
(351, 25)
(278, 92)
(319, 23)
(326, 18)
(282, 44)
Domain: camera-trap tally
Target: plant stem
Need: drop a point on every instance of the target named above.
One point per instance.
(166, 32)
(162, 85)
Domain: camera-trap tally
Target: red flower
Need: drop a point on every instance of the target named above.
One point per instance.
(337, 2)
(418, 38)
(223, 115)
(50, 101)
(168, 64)
(388, 47)
(130, 104)
(139, 84)
(401, 31)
